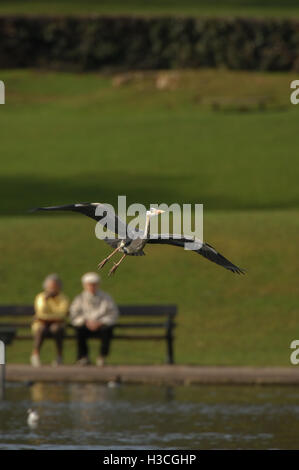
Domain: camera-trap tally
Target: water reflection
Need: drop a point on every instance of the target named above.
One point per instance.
(43, 392)
(96, 416)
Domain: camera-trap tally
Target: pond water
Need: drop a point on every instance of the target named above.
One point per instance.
(93, 416)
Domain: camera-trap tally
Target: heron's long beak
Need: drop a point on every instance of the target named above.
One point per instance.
(159, 211)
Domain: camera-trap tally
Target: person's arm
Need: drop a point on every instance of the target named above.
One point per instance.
(111, 312)
(76, 312)
(40, 306)
(62, 307)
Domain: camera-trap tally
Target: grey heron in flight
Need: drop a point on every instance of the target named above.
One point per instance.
(133, 245)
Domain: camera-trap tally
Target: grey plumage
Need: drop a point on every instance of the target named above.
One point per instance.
(114, 224)
(204, 249)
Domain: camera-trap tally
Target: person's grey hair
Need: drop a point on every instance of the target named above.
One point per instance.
(52, 277)
(90, 278)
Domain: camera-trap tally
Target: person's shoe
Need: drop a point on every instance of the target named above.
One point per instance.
(100, 361)
(84, 361)
(57, 362)
(35, 360)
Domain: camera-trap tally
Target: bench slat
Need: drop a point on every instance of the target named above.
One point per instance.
(132, 337)
(118, 325)
(125, 310)
(150, 310)
(16, 310)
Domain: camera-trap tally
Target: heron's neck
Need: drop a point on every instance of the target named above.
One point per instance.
(147, 227)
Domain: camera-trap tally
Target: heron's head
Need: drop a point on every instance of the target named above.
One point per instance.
(153, 211)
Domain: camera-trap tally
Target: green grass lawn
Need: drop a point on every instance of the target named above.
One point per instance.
(225, 139)
(187, 7)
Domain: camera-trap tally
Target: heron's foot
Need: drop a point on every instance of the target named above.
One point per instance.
(102, 263)
(113, 269)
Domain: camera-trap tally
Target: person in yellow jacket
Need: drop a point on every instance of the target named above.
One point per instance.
(51, 309)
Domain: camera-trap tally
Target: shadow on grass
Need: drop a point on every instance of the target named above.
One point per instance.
(19, 194)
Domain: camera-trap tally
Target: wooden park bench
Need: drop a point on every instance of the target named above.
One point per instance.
(14, 319)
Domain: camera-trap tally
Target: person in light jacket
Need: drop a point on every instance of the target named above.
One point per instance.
(93, 313)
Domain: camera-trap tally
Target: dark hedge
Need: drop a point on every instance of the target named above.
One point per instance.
(90, 43)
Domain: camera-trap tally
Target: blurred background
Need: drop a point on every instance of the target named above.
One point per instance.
(161, 101)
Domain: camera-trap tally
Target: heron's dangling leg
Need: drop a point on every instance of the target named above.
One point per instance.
(114, 268)
(102, 263)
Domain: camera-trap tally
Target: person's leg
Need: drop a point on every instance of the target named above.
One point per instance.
(57, 331)
(106, 336)
(82, 346)
(40, 332)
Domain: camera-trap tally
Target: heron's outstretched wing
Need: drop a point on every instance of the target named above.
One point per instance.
(199, 247)
(113, 222)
